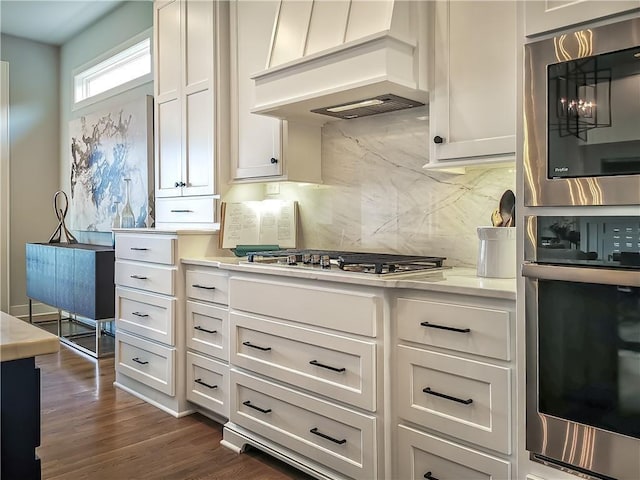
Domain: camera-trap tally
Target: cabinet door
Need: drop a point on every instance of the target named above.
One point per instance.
(256, 139)
(198, 74)
(473, 103)
(167, 85)
(541, 17)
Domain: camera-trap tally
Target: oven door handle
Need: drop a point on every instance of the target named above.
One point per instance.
(602, 276)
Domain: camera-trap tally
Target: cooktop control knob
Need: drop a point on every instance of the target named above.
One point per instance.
(306, 258)
(292, 259)
(325, 261)
(315, 259)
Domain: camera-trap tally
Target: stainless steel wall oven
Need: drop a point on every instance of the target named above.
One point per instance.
(582, 277)
(582, 117)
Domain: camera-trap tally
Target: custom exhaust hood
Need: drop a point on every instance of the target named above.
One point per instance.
(334, 59)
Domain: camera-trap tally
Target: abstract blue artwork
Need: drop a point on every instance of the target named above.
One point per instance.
(107, 148)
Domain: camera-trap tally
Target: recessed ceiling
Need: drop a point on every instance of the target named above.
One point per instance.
(53, 22)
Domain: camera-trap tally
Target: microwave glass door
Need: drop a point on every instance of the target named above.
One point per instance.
(593, 116)
(589, 354)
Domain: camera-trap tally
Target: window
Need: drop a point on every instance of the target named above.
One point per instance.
(125, 67)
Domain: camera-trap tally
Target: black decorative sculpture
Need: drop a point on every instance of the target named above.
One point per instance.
(56, 236)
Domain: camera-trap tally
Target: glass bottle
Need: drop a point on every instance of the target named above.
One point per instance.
(127, 220)
(115, 224)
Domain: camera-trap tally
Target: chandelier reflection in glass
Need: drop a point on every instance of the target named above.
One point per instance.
(580, 94)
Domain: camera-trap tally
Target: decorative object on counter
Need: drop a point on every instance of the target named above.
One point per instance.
(127, 218)
(497, 252)
(505, 214)
(105, 148)
(61, 213)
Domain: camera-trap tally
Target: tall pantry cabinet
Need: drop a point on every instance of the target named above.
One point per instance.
(191, 109)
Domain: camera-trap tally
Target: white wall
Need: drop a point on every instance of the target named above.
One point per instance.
(110, 31)
(34, 151)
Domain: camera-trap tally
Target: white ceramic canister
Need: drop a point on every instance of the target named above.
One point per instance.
(497, 252)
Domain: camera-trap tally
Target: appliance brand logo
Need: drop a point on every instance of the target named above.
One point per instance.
(561, 169)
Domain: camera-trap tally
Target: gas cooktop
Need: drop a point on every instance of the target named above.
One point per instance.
(372, 263)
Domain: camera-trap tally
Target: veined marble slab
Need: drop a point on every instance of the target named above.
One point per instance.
(19, 339)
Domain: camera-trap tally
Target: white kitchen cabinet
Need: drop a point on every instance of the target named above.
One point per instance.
(306, 374)
(191, 108)
(453, 384)
(544, 16)
(207, 328)
(473, 99)
(150, 315)
(263, 148)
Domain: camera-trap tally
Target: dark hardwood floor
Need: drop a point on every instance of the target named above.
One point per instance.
(90, 429)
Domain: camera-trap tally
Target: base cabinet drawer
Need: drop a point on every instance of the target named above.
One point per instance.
(146, 362)
(145, 314)
(339, 438)
(208, 329)
(460, 397)
(208, 383)
(335, 366)
(423, 456)
(146, 248)
(186, 210)
(152, 278)
(207, 286)
(477, 330)
(350, 311)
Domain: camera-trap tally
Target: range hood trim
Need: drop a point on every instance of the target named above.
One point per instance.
(392, 70)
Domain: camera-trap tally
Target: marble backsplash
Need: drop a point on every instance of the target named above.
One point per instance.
(377, 197)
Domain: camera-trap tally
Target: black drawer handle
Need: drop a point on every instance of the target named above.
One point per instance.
(443, 327)
(318, 364)
(262, 410)
(181, 211)
(138, 277)
(469, 401)
(202, 329)
(249, 344)
(204, 287)
(199, 380)
(428, 476)
(141, 362)
(138, 314)
(324, 435)
(140, 249)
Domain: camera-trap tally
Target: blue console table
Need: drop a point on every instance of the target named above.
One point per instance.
(78, 279)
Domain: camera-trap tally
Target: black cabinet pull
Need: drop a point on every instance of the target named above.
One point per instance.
(249, 344)
(141, 362)
(438, 139)
(181, 211)
(138, 277)
(204, 287)
(138, 314)
(274, 160)
(428, 476)
(139, 248)
(262, 410)
(469, 401)
(177, 184)
(199, 380)
(324, 435)
(202, 329)
(318, 364)
(443, 327)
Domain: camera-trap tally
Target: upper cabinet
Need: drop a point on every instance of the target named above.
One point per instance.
(263, 148)
(473, 99)
(546, 16)
(191, 108)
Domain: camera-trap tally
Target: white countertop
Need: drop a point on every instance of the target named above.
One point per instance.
(19, 339)
(451, 280)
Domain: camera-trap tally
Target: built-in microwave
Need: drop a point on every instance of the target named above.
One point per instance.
(582, 314)
(582, 117)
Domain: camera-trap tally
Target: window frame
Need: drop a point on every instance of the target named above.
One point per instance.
(87, 68)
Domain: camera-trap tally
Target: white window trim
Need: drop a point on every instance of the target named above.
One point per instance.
(147, 34)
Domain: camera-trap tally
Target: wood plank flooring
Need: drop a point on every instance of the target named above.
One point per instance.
(92, 430)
